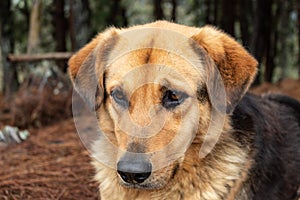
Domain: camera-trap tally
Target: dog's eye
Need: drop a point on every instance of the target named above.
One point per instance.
(171, 99)
(119, 97)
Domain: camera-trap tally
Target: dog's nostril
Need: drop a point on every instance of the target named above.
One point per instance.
(141, 177)
(134, 178)
(125, 176)
(134, 173)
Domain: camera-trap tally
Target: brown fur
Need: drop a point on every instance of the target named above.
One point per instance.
(112, 58)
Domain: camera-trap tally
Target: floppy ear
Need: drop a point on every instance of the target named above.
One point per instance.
(86, 68)
(236, 66)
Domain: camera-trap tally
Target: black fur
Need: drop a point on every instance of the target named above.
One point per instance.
(270, 126)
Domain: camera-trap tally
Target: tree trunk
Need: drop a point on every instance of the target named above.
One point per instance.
(1, 60)
(228, 16)
(123, 16)
(215, 20)
(207, 12)
(261, 34)
(283, 37)
(117, 15)
(60, 30)
(25, 11)
(10, 78)
(60, 25)
(196, 9)
(72, 25)
(245, 14)
(35, 26)
(271, 49)
(79, 23)
(174, 10)
(158, 11)
(298, 10)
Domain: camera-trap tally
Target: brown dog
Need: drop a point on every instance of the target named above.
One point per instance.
(175, 120)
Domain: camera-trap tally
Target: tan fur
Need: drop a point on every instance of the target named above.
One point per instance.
(235, 63)
(221, 174)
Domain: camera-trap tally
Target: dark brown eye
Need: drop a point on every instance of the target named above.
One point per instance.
(120, 98)
(171, 99)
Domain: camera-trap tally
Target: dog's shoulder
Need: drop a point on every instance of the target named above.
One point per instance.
(255, 111)
(272, 123)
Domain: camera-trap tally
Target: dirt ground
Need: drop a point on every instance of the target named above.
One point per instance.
(52, 163)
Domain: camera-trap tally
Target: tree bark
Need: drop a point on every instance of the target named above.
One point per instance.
(35, 26)
(271, 49)
(158, 11)
(298, 10)
(207, 11)
(123, 16)
(117, 14)
(174, 10)
(261, 34)
(245, 14)
(72, 26)
(10, 78)
(228, 16)
(25, 11)
(283, 37)
(1, 61)
(79, 20)
(60, 25)
(60, 30)
(215, 20)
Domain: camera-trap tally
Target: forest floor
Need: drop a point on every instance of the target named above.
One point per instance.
(52, 163)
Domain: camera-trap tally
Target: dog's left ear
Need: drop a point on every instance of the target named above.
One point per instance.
(236, 66)
(86, 68)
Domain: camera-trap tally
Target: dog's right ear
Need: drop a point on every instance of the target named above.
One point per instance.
(235, 65)
(86, 68)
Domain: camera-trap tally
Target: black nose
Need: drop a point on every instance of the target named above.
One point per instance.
(135, 171)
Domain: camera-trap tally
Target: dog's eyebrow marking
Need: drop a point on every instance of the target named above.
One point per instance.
(149, 50)
(202, 94)
(148, 55)
(136, 147)
(175, 171)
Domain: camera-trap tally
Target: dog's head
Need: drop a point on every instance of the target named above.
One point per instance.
(151, 87)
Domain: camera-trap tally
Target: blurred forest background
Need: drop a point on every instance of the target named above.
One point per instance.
(269, 29)
(38, 36)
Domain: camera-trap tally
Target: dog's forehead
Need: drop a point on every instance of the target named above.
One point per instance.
(146, 66)
(153, 38)
(154, 55)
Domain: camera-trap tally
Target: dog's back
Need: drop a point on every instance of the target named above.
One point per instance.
(275, 120)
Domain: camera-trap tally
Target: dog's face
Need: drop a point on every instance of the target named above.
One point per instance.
(151, 105)
(151, 86)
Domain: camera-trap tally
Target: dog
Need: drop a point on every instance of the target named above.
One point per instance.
(177, 120)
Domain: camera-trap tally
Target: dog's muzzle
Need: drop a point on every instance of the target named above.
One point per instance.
(134, 169)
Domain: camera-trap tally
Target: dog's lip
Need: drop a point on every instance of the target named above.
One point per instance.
(144, 186)
(137, 186)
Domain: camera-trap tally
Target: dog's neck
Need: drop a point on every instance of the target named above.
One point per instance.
(217, 176)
